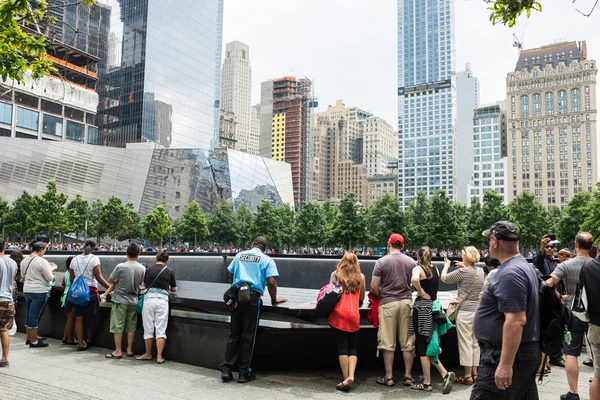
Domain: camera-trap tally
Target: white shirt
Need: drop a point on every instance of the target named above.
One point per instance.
(84, 265)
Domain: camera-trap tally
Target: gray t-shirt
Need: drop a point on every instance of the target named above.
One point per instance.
(568, 271)
(128, 275)
(8, 270)
(395, 271)
(515, 288)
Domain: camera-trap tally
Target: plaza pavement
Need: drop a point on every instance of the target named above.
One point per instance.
(59, 372)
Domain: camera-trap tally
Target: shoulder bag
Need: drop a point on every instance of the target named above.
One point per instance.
(328, 297)
(455, 304)
(140, 303)
(579, 307)
(27, 269)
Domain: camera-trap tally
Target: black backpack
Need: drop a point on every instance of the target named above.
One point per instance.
(555, 320)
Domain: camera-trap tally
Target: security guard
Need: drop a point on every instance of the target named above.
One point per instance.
(250, 271)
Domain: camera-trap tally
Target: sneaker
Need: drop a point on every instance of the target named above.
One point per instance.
(245, 378)
(449, 382)
(38, 344)
(226, 375)
(569, 396)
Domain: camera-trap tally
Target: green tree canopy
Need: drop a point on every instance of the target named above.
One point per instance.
(285, 219)
(310, 226)
(350, 225)
(474, 226)
(135, 227)
(158, 225)
(506, 12)
(193, 224)
(573, 217)
(591, 223)
(330, 215)
(95, 227)
(266, 224)
(384, 217)
(530, 218)
(77, 214)
(4, 214)
(222, 224)
(51, 214)
(114, 218)
(417, 216)
(21, 220)
(244, 220)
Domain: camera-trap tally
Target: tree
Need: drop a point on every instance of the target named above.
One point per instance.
(4, 214)
(95, 227)
(77, 215)
(384, 217)
(310, 226)
(474, 226)
(507, 11)
(442, 223)
(350, 227)
(591, 223)
(114, 218)
(244, 219)
(221, 224)
(492, 209)
(266, 224)
(158, 224)
(193, 224)
(416, 221)
(21, 52)
(573, 217)
(330, 214)
(285, 219)
(135, 227)
(530, 218)
(51, 213)
(21, 220)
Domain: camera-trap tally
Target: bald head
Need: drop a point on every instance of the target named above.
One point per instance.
(261, 243)
(584, 241)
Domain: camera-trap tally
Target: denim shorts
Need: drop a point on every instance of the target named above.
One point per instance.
(35, 304)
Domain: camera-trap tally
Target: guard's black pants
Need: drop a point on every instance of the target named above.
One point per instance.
(242, 334)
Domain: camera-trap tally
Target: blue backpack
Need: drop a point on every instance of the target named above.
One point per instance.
(79, 292)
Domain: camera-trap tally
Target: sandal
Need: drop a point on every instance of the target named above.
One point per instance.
(160, 360)
(588, 363)
(408, 381)
(422, 386)
(465, 380)
(383, 380)
(144, 358)
(113, 357)
(343, 388)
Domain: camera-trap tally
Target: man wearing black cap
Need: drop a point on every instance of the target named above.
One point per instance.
(510, 356)
(250, 271)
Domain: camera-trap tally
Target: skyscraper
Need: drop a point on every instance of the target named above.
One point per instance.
(426, 98)
(467, 99)
(552, 122)
(236, 94)
(163, 62)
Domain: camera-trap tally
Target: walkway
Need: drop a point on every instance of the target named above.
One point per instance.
(59, 372)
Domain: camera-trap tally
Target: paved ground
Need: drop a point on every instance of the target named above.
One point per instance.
(59, 372)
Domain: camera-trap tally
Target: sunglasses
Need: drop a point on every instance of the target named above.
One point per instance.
(549, 247)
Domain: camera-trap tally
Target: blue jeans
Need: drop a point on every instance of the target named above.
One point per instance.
(34, 304)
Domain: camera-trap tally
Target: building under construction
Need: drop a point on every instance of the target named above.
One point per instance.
(293, 100)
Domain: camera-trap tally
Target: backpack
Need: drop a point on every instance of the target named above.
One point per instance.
(555, 321)
(79, 292)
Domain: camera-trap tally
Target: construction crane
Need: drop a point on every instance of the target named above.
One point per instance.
(517, 43)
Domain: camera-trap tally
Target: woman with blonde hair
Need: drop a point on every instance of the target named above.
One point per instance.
(345, 317)
(470, 281)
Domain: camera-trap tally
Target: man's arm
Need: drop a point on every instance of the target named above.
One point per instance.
(375, 281)
(512, 332)
(272, 286)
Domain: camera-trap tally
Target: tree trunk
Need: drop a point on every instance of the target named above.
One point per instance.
(195, 241)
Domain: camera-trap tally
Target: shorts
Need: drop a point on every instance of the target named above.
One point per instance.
(594, 340)
(578, 330)
(394, 323)
(7, 315)
(123, 318)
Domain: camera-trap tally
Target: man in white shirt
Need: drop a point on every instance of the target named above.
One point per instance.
(8, 270)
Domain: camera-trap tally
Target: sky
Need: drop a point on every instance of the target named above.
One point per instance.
(349, 47)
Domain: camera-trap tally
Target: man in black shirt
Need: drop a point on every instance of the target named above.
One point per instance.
(590, 277)
(511, 355)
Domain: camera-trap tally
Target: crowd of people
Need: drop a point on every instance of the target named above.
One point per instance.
(496, 312)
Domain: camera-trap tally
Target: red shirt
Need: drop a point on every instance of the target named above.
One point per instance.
(345, 316)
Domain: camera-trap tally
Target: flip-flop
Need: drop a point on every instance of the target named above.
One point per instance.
(143, 358)
(130, 355)
(588, 363)
(343, 388)
(160, 360)
(113, 357)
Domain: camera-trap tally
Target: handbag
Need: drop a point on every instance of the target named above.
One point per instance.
(455, 304)
(579, 307)
(79, 292)
(328, 297)
(140, 303)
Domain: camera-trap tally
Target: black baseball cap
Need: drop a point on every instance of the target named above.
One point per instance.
(503, 230)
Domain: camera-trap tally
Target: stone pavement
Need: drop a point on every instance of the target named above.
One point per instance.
(59, 372)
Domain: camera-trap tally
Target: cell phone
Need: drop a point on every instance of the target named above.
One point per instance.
(552, 237)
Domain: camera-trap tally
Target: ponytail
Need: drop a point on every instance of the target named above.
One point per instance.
(424, 255)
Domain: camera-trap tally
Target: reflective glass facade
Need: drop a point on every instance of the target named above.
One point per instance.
(145, 177)
(426, 98)
(160, 79)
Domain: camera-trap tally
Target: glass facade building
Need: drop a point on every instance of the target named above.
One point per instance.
(159, 74)
(144, 177)
(426, 98)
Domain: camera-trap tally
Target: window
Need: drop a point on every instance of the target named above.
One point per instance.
(575, 100)
(51, 107)
(537, 105)
(92, 135)
(26, 100)
(549, 103)
(524, 106)
(27, 118)
(562, 101)
(52, 125)
(5, 113)
(75, 131)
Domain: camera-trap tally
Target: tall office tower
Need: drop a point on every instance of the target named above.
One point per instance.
(163, 56)
(552, 123)
(291, 141)
(265, 118)
(488, 161)
(380, 142)
(426, 98)
(236, 94)
(467, 99)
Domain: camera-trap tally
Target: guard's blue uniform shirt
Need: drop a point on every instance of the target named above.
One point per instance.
(253, 267)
